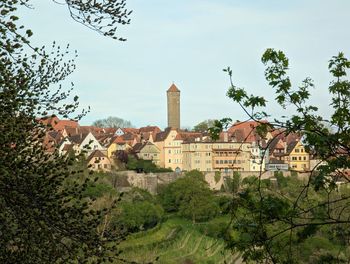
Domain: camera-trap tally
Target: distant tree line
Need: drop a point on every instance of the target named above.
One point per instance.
(113, 122)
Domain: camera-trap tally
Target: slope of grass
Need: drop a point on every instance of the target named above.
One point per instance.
(176, 241)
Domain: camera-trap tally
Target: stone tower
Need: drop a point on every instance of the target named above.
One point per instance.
(173, 96)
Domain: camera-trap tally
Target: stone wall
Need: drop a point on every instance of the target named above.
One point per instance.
(150, 182)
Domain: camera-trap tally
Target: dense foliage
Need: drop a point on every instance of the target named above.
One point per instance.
(204, 125)
(141, 165)
(190, 197)
(280, 226)
(42, 218)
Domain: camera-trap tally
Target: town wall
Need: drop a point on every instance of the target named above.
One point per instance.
(125, 180)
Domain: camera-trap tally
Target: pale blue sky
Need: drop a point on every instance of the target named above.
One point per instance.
(190, 42)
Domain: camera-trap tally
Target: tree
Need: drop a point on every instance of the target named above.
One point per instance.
(190, 197)
(141, 165)
(112, 121)
(204, 125)
(275, 224)
(43, 218)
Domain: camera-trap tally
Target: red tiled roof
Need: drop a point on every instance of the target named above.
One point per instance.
(187, 135)
(149, 129)
(245, 131)
(130, 130)
(61, 124)
(173, 88)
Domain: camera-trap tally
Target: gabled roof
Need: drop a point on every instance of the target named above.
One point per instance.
(137, 147)
(161, 136)
(67, 147)
(78, 139)
(273, 143)
(188, 135)
(173, 88)
(130, 130)
(61, 124)
(149, 129)
(245, 131)
(291, 146)
(96, 154)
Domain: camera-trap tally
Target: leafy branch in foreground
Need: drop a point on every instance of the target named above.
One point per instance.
(272, 224)
(44, 217)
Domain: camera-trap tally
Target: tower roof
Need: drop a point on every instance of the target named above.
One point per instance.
(173, 88)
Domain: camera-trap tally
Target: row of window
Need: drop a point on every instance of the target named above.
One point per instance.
(176, 161)
(198, 154)
(299, 150)
(99, 166)
(175, 151)
(198, 161)
(229, 161)
(299, 158)
(150, 155)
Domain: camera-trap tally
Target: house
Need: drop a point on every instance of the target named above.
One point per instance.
(86, 143)
(169, 142)
(297, 157)
(97, 161)
(259, 154)
(223, 156)
(147, 151)
(52, 140)
(277, 149)
(117, 143)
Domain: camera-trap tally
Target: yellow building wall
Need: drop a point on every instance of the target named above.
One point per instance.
(299, 159)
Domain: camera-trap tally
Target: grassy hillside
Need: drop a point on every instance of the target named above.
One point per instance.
(174, 242)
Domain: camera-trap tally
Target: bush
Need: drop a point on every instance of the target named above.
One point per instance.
(137, 216)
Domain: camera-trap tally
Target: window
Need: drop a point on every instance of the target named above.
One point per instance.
(169, 160)
(294, 158)
(296, 150)
(169, 151)
(304, 158)
(299, 158)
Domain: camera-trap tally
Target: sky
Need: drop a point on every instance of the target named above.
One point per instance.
(189, 42)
